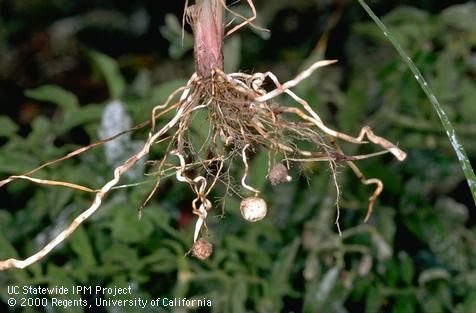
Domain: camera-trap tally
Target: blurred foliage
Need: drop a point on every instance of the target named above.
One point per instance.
(417, 254)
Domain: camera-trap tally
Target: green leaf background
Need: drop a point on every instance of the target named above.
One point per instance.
(416, 254)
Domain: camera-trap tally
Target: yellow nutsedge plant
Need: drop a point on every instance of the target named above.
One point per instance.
(243, 117)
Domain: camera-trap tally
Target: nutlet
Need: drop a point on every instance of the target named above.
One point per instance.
(202, 249)
(253, 209)
(279, 175)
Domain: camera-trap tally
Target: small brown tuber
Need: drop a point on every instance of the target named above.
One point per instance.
(202, 249)
(279, 175)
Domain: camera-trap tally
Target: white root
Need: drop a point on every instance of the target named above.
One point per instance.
(294, 82)
(253, 208)
(199, 186)
(118, 172)
(246, 20)
(245, 174)
(314, 118)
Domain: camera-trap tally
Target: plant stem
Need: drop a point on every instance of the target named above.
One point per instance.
(208, 28)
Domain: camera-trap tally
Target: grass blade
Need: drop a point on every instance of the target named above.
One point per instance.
(450, 131)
